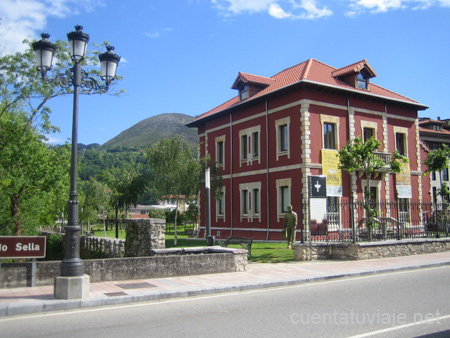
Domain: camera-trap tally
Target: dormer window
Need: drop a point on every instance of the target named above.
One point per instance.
(361, 81)
(250, 85)
(243, 93)
(356, 75)
(437, 127)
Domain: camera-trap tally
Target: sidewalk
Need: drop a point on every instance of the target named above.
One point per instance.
(40, 299)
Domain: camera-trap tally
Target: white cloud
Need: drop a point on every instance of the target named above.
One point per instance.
(279, 9)
(22, 19)
(54, 140)
(240, 6)
(379, 6)
(312, 11)
(152, 35)
(157, 33)
(277, 12)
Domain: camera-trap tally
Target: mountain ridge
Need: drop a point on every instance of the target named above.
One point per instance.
(151, 130)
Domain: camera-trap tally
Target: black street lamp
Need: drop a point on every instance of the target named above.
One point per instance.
(72, 265)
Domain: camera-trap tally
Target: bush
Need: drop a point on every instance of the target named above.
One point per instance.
(157, 214)
(55, 248)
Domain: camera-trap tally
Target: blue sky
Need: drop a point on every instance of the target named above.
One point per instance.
(182, 56)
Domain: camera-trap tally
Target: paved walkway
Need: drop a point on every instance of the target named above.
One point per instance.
(40, 299)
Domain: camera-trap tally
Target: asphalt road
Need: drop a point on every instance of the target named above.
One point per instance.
(402, 304)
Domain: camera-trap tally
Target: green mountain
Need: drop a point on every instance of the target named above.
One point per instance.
(152, 130)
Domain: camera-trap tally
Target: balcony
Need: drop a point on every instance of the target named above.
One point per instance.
(385, 157)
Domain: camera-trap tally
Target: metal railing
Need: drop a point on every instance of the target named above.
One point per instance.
(385, 157)
(347, 221)
(111, 248)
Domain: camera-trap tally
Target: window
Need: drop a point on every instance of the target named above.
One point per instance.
(282, 136)
(403, 210)
(285, 198)
(256, 201)
(445, 174)
(243, 94)
(361, 81)
(244, 147)
(250, 200)
(244, 202)
(249, 145)
(283, 133)
(368, 133)
(220, 206)
(220, 151)
(333, 213)
(433, 175)
(329, 136)
(255, 144)
(400, 143)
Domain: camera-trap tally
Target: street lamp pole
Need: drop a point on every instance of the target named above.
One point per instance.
(73, 283)
(72, 265)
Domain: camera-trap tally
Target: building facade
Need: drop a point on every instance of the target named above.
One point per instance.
(280, 130)
(433, 134)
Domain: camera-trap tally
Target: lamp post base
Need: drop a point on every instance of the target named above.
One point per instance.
(76, 287)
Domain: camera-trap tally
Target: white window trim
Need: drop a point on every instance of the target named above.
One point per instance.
(372, 184)
(369, 125)
(282, 183)
(220, 139)
(249, 187)
(249, 133)
(334, 120)
(221, 216)
(278, 123)
(401, 130)
(335, 227)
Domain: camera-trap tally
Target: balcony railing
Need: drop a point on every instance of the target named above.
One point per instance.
(385, 157)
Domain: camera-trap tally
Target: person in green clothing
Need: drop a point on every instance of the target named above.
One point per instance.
(290, 224)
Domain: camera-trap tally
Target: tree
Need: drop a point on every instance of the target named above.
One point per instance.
(126, 186)
(29, 168)
(95, 200)
(358, 155)
(175, 170)
(436, 161)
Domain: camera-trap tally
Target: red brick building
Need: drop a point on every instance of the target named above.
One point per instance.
(433, 133)
(279, 130)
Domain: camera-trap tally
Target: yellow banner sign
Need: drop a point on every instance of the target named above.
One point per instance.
(330, 168)
(403, 184)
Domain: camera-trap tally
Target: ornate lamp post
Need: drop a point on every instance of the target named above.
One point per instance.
(73, 283)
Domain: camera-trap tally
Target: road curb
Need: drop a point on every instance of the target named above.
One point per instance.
(52, 305)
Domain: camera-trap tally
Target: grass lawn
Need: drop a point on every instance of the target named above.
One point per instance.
(262, 252)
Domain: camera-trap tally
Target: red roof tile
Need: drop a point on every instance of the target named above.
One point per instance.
(310, 71)
(443, 132)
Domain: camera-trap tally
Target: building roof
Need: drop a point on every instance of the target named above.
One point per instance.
(424, 129)
(312, 72)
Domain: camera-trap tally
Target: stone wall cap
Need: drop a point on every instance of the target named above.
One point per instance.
(198, 250)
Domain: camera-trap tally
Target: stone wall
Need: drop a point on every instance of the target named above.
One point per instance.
(368, 250)
(143, 235)
(165, 263)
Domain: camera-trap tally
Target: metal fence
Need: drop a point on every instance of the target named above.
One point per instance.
(111, 248)
(347, 221)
